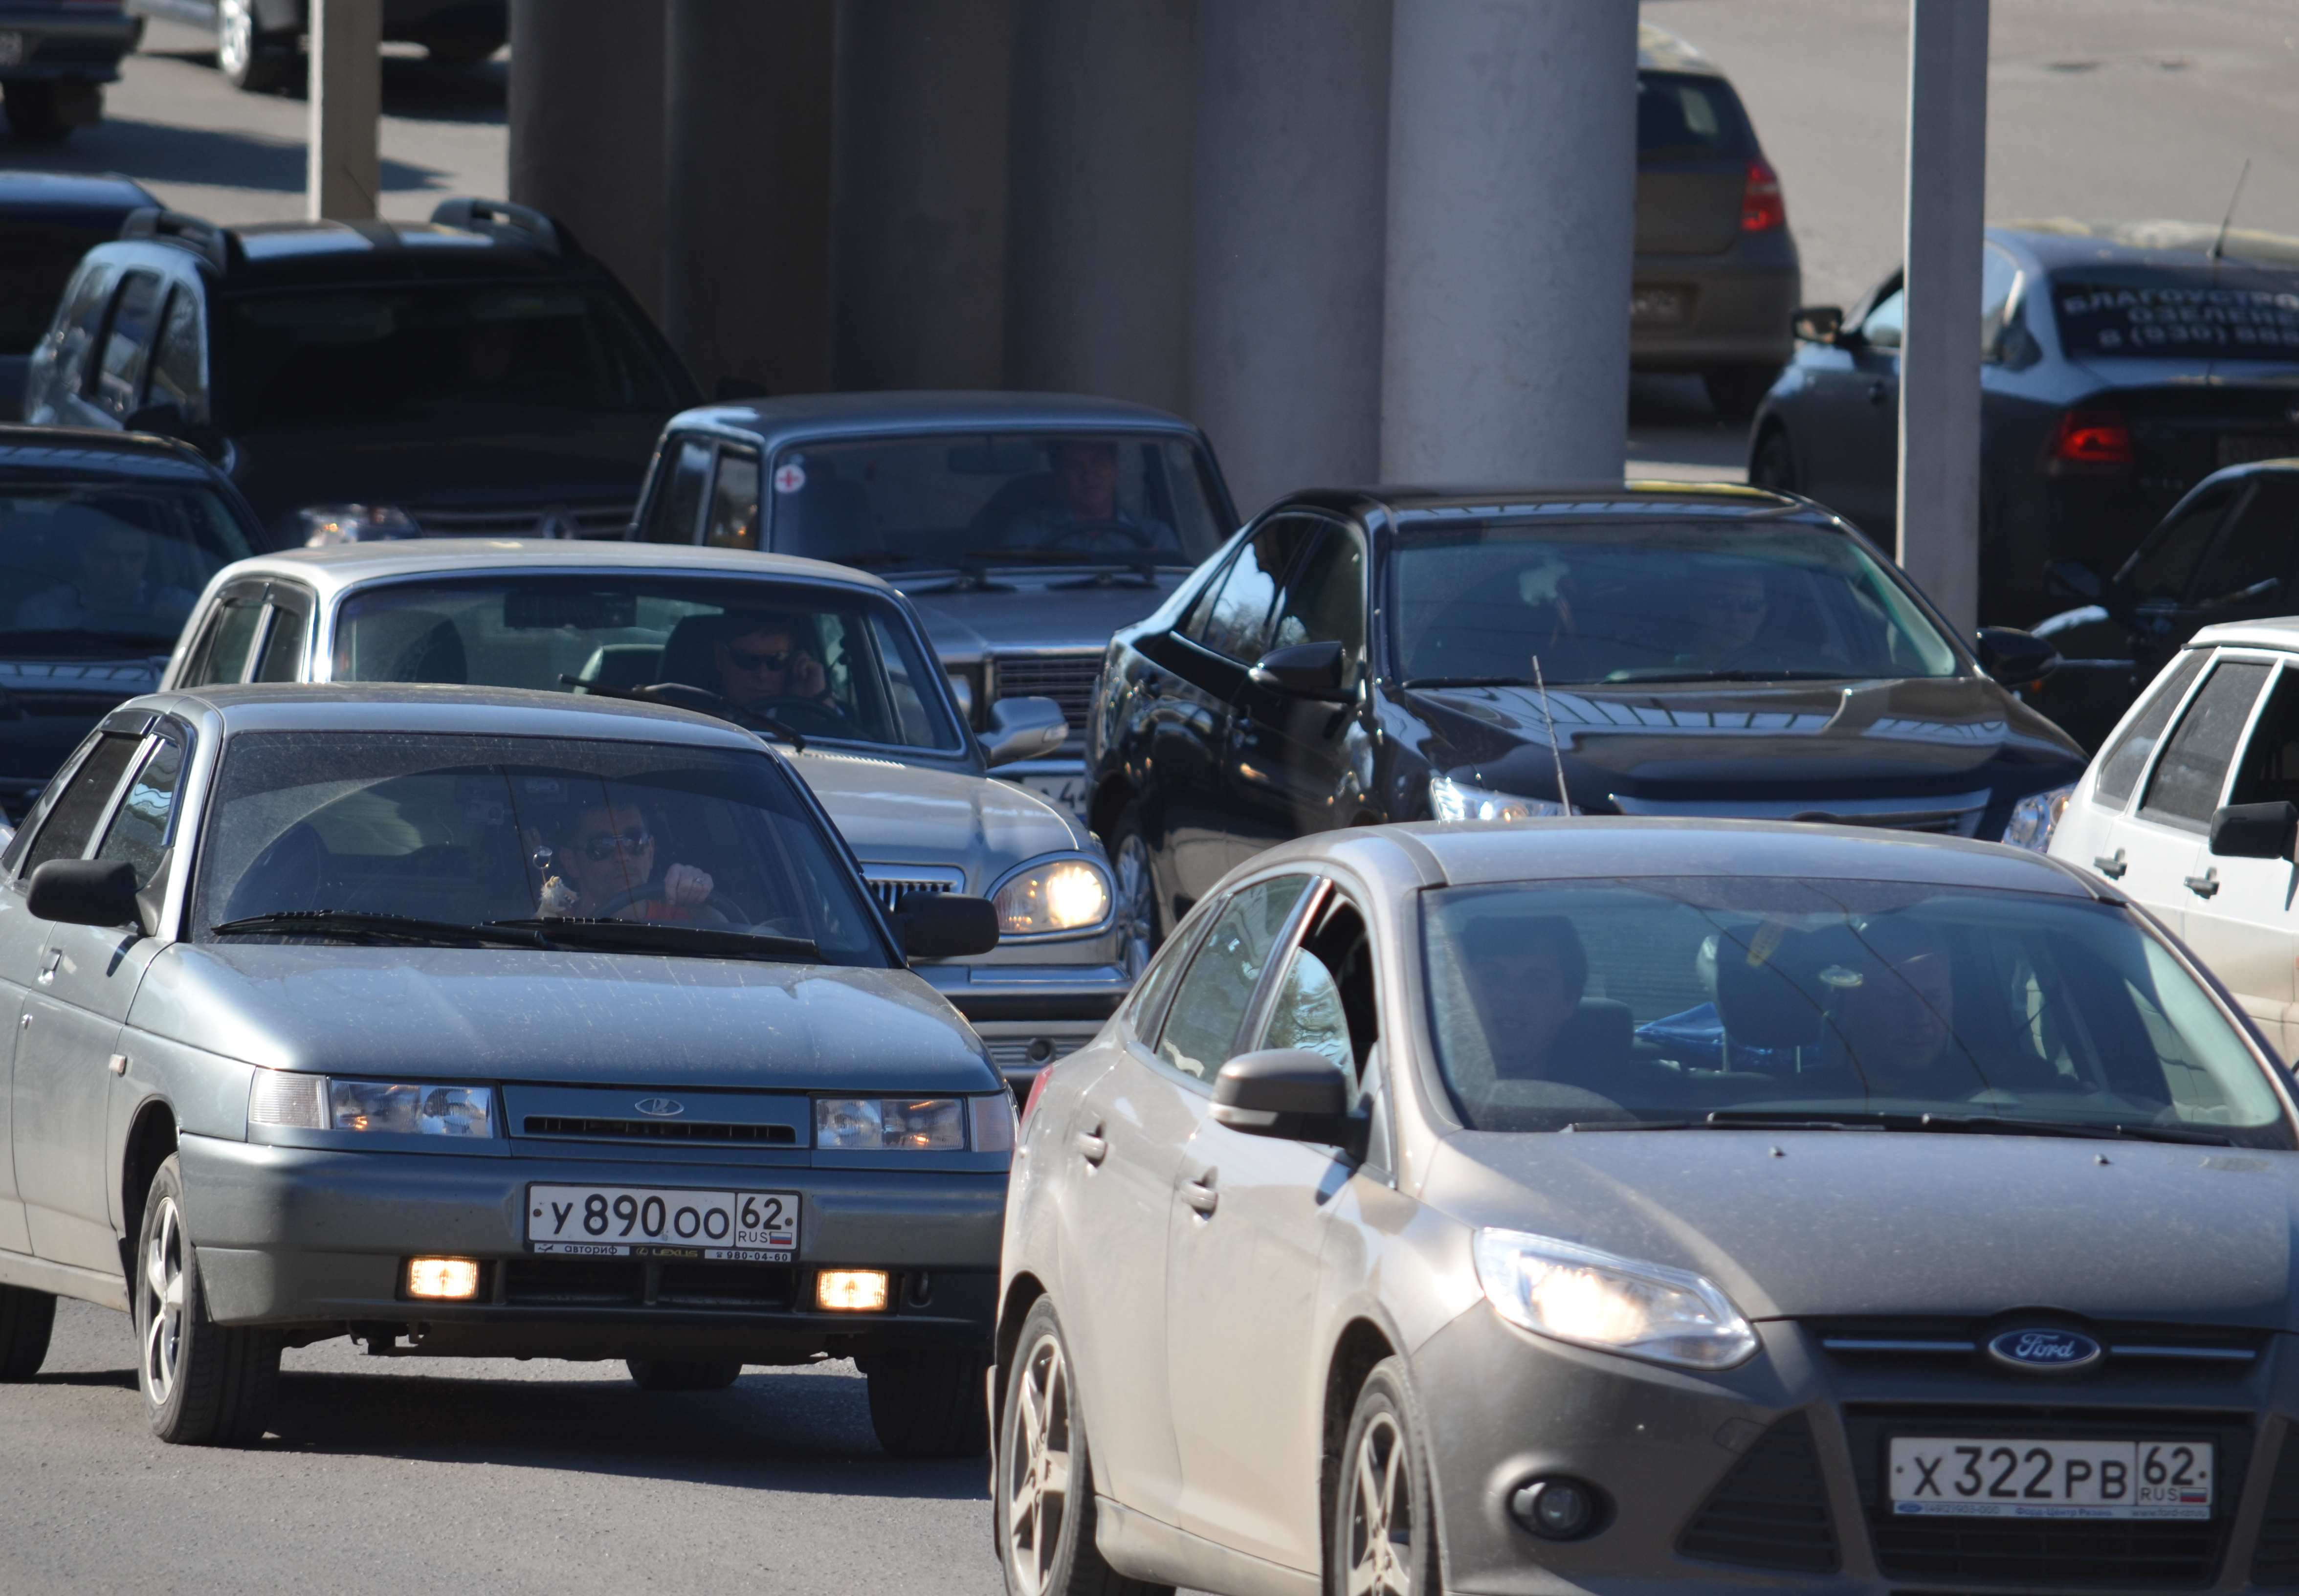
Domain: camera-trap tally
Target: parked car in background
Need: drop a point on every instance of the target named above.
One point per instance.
(256, 41)
(47, 221)
(1621, 1206)
(1658, 649)
(827, 662)
(477, 374)
(105, 542)
(1026, 527)
(2122, 363)
(1717, 278)
(55, 57)
(388, 1058)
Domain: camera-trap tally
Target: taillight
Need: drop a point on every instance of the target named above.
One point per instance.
(1762, 208)
(1037, 1090)
(2094, 437)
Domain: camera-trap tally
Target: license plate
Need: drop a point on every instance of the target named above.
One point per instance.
(11, 49)
(1063, 792)
(663, 1222)
(2003, 1478)
(1658, 307)
(2241, 448)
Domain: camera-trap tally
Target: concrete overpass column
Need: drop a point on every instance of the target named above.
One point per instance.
(1512, 189)
(343, 170)
(1291, 177)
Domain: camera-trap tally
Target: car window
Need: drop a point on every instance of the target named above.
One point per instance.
(72, 820)
(2232, 309)
(37, 262)
(1210, 1004)
(1324, 1001)
(1237, 621)
(178, 362)
(83, 319)
(1324, 600)
(225, 641)
(678, 503)
(1881, 327)
(118, 376)
(122, 560)
(2267, 771)
(1999, 275)
(2251, 559)
(733, 521)
(283, 645)
(2170, 554)
(2121, 765)
(138, 832)
(1683, 116)
(2185, 786)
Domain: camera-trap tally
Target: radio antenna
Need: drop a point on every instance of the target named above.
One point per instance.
(2219, 244)
(1563, 795)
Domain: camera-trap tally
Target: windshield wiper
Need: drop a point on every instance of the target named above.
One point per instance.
(1467, 681)
(1892, 1120)
(658, 936)
(685, 695)
(351, 925)
(1672, 673)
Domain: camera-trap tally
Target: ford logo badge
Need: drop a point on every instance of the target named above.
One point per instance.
(2045, 1352)
(661, 1108)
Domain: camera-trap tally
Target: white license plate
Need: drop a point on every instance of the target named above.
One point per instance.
(1657, 307)
(1960, 1477)
(663, 1222)
(11, 49)
(1063, 792)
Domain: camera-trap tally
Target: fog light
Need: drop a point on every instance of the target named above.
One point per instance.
(453, 1279)
(1555, 1509)
(850, 1290)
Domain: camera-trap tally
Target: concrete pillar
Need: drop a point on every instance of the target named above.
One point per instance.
(1097, 268)
(1291, 175)
(586, 128)
(1511, 190)
(344, 170)
(919, 207)
(1939, 349)
(746, 228)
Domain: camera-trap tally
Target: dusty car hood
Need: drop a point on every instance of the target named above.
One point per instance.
(576, 1017)
(894, 813)
(1859, 1223)
(1033, 611)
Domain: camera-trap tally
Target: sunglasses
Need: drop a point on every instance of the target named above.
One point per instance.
(603, 845)
(756, 660)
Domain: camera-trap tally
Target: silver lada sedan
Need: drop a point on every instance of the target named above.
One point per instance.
(483, 1023)
(1620, 1205)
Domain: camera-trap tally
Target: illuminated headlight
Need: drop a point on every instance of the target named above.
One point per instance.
(1594, 1299)
(1450, 800)
(2036, 817)
(1069, 895)
(877, 1124)
(326, 524)
(394, 1108)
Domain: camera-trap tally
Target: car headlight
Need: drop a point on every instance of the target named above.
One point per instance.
(889, 1124)
(326, 524)
(2036, 817)
(396, 1108)
(1593, 1299)
(1450, 800)
(1068, 896)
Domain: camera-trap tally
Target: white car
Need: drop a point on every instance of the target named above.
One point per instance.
(2192, 809)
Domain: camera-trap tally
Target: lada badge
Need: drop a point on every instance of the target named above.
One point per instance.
(2045, 1352)
(661, 1108)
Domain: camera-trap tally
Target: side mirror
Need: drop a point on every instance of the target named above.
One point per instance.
(1304, 671)
(945, 926)
(2015, 658)
(1024, 729)
(87, 891)
(1817, 323)
(1288, 1092)
(738, 387)
(2255, 830)
(2077, 580)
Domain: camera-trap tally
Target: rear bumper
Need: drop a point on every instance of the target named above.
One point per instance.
(1739, 303)
(87, 48)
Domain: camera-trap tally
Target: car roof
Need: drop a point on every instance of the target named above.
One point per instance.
(92, 453)
(2060, 242)
(470, 711)
(1660, 51)
(2273, 632)
(341, 566)
(796, 417)
(25, 193)
(303, 254)
(1407, 501)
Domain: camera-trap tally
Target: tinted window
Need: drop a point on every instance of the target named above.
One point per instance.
(1210, 1004)
(71, 822)
(221, 655)
(2185, 786)
(178, 363)
(1324, 1001)
(2236, 311)
(1686, 117)
(83, 319)
(2255, 550)
(2120, 767)
(1236, 623)
(35, 265)
(2170, 554)
(678, 500)
(138, 832)
(735, 501)
(121, 560)
(127, 343)
(1324, 599)
(2268, 770)
(283, 645)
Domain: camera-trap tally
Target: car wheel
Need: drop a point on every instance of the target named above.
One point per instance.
(926, 1402)
(1042, 1477)
(204, 1383)
(683, 1374)
(1773, 464)
(34, 115)
(26, 1319)
(243, 54)
(1135, 890)
(1735, 391)
(1384, 1531)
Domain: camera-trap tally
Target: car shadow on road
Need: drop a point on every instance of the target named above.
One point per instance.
(159, 153)
(116, 1379)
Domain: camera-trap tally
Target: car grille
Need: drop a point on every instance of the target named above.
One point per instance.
(1068, 680)
(539, 520)
(2207, 1351)
(658, 1130)
(636, 1282)
(2274, 1559)
(1770, 1509)
(888, 883)
(1030, 1053)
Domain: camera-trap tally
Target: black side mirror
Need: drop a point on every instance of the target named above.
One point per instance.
(738, 387)
(2255, 830)
(2076, 579)
(2015, 658)
(84, 891)
(945, 926)
(1288, 1092)
(1304, 671)
(1817, 323)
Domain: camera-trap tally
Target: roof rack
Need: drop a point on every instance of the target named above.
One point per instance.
(204, 238)
(502, 218)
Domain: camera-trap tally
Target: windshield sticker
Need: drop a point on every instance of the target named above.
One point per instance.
(790, 477)
(2097, 318)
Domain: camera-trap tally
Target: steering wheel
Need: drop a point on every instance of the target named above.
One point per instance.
(807, 714)
(1084, 531)
(729, 912)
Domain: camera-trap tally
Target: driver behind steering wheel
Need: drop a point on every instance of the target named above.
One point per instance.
(1082, 510)
(607, 853)
(761, 661)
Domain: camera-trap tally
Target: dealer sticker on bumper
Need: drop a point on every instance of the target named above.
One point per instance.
(663, 1222)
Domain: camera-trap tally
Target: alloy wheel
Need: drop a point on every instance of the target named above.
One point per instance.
(1037, 1465)
(162, 1288)
(1381, 1513)
(1137, 905)
(235, 37)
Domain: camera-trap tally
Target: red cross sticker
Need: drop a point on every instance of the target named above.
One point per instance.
(789, 478)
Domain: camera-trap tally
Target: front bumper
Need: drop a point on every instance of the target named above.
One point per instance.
(300, 1237)
(1030, 1015)
(49, 46)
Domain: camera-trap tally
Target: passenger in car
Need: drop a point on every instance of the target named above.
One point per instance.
(1528, 976)
(1895, 1016)
(604, 868)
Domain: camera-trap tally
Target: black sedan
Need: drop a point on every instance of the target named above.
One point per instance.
(1353, 657)
(2122, 364)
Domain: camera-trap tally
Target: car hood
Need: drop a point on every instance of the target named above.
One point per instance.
(1034, 610)
(517, 1015)
(894, 813)
(1857, 1223)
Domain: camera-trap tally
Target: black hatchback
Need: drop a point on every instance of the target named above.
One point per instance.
(1353, 657)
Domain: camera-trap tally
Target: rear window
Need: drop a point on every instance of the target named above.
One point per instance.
(1681, 116)
(36, 261)
(2237, 312)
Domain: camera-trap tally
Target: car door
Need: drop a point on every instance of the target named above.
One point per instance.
(1854, 386)
(2089, 833)
(1293, 757)
(1249, 1225)
(78, 991)
(2241, 922)
(2160, 842)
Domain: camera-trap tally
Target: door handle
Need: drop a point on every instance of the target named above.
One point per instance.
(1876, 391)
(1201, 1195)
(48, 968)
(1092, 1145)
(2204, 884)
(2112, 867)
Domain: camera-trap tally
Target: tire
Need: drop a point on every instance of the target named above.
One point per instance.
(1042, 1480)
(683, 1374)
(27, 1317)
(1736, 390)
(1383, 1524)
(204, 1383)
(1774, 463)
(35, 116)
(926, 1402)
(248, 59)
(1133, 887)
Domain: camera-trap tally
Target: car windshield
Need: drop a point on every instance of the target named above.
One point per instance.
(488, 353)
(1651, 601)
(1000, 499)
(107, 565)
(1674, 1000)
(829, 662)
(2236, 311)
(476, 831)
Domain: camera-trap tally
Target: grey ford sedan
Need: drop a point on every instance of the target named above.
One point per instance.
(1591, 1205)
(483, 1023)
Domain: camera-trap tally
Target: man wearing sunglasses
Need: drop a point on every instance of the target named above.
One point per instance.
(762, 665)
(604, 868)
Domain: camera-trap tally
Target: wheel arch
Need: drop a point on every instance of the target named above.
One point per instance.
(1022, 1294)
(150, 1142)
(1769, 425)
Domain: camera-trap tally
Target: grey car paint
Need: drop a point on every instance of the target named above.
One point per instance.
(1332, 1264)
